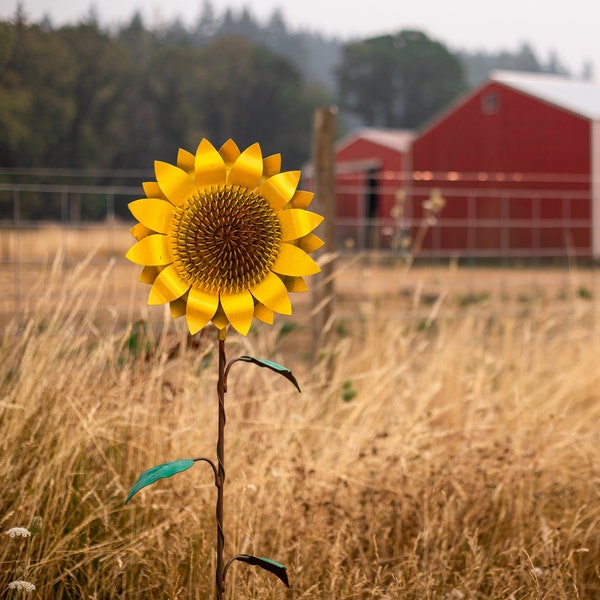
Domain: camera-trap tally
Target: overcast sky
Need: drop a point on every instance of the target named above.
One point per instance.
(572, 28)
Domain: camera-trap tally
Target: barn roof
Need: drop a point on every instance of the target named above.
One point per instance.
(396, 139)
(579, 97)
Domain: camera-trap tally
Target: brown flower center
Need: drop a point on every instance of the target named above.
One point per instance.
(225, 239)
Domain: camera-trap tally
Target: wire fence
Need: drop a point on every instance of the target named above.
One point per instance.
(545, 233)
(41, 223)
(500, 216)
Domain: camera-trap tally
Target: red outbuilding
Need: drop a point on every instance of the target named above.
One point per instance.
(371, 167)
(517, 161)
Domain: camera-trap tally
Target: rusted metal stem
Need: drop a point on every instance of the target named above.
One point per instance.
(220, 479)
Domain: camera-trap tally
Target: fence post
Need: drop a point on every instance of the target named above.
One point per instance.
(324, 123)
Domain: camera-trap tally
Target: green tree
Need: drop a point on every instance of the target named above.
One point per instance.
(35, 79)
(100, 77)
(81, 97)
(397, 80)
(175, 87)
(207, 22)
(61, 96)
(143, 141)
(252, 95)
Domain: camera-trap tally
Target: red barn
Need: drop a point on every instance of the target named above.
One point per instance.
(518, 163)
(371, 166)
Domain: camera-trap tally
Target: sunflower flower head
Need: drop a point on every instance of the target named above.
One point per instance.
(224, 236)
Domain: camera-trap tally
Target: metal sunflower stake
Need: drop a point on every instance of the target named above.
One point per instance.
(224, 236)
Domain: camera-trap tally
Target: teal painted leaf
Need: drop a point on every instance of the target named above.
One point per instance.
(267, 564)
(269, 364)
(159, 472)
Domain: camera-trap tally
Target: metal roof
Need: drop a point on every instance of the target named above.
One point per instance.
(579, 97)
(396, 139)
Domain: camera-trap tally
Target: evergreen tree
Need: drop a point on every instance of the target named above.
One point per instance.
(397, 80)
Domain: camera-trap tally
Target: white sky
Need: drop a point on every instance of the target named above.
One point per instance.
(572, 28)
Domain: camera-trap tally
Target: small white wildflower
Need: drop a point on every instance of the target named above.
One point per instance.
(538, 572)
(22, 586)
(18, 532)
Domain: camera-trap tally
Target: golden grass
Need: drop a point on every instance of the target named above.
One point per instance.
(40, 241)
(441, 448)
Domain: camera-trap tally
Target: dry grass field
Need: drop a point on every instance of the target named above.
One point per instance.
(444, 446)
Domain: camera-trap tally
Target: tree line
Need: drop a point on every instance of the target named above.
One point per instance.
(82, 96)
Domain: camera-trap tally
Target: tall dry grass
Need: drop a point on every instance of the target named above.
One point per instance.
(452, 456)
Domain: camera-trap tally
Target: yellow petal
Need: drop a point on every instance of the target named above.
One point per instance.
(271, 165)
(151, 250)
(176, 184)
(139, 231)
(302, 199)
(229, 152)
(295, 284)
(168, 286)
(280, 188)
(209, 166)
(247, 169)
(239, 310)
(264, 314)
(177, 308)
(273, 294)
(296, 223)
(149, 274)
(185, 160)
(220, 321)
(152, 190)
(153, 213)
(309, 243)
(200, 309)
(294, 261)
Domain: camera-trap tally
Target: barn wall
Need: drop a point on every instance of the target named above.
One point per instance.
(514, 132)
(595, 170)
(514, 172)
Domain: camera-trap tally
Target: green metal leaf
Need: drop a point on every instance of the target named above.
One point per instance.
(269, 364)
(159, 472)
(267, 564)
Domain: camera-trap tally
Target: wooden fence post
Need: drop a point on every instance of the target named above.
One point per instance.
(324, 125)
